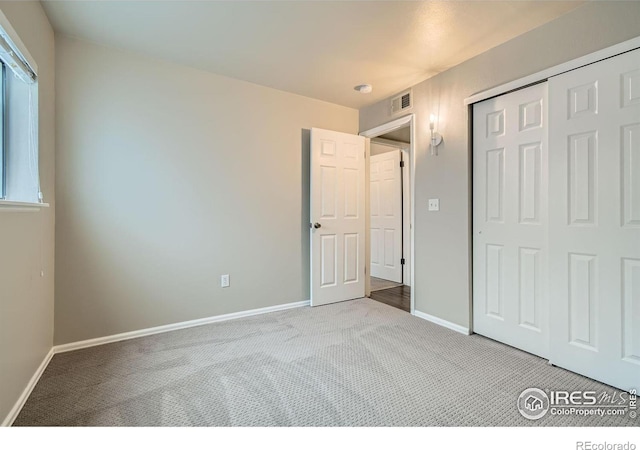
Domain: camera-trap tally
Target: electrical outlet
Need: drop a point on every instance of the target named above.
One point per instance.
(434, 204)
(224, 281)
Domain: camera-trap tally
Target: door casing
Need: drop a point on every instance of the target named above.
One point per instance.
(372, 133)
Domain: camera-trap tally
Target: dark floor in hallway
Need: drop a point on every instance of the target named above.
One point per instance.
(398, 297)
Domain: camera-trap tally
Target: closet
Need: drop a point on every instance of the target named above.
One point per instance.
(556, 219)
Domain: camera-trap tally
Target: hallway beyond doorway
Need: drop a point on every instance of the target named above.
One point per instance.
(378, 284)
(398, 297)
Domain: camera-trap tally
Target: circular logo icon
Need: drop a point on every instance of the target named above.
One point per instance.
(533, 403)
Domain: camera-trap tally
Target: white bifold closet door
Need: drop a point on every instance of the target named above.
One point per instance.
(509, 219)
(594, 212)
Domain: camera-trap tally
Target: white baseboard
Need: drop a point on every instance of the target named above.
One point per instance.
(13, 414)
(11, 417)
(174, 326)
(441, 322)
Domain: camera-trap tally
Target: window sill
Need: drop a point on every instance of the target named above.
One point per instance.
(9, 206)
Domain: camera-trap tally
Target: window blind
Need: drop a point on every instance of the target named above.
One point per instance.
(22, 173)
(14, 60)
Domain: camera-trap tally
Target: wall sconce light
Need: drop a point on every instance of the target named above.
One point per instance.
(436, 138)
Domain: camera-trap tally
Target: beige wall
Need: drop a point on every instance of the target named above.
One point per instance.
(169, 177)
(442, 259)
(26, 238)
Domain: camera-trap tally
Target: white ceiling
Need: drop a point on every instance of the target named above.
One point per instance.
(318, 49)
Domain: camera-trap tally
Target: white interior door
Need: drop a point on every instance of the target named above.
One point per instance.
(386, 216)
(337, 216)
(406, 218)
(594, 233)
(509, 219)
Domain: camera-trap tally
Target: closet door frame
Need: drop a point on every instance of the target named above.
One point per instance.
(539, 77)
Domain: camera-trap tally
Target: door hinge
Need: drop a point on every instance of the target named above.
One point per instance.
(402, 261)
(401, 163)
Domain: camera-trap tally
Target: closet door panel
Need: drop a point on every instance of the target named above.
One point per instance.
(510, 219)
(594, 226)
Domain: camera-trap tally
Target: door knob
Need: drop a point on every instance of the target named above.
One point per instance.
(316, 225)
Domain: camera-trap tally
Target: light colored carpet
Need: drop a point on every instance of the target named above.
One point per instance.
(357, 363)
(378, 284)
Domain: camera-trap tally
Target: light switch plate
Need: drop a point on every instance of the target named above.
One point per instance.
(434, 204)
(224, 281)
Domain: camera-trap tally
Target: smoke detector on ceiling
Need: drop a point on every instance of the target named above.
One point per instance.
(364, 88)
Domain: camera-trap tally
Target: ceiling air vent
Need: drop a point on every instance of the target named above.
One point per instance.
(401, 102)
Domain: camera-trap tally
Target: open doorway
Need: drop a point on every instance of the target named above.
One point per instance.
(389, 214)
